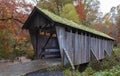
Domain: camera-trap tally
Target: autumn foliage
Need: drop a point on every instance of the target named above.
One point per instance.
(80, 9)
(13, 14)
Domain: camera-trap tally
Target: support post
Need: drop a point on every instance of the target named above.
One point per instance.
(92, 52)
(106, 53)
(47, 40)
(36, 52)
(68, 58)
(43, 49)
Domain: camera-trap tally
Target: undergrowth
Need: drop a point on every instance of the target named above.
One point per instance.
(109, 66)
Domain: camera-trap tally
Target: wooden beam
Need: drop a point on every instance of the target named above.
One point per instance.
(48, 40)
(43, 49)
(36, 51)
(94, 54)
(106, 53)
(68, 58)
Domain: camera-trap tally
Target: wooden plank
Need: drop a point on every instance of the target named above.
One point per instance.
(89, 45)
(70, 51)
(67, 44)
(94, 47)
(93, 53)
(80, 47)
(97, 47)
(60, 35)
(69, 59)
(99, 51)
(47, 40)
(73, 46)
(77, 49)
(100, 48)
(38, 47)
(103, 47)
(87, 48)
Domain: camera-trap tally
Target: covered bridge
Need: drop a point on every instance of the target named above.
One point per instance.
(56, 37)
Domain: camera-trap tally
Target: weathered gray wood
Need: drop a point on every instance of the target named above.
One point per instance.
(68, 43)
(93, 53)
(70, 51)
(73, 46)
(60, 34)
(89, 46)
(69, 59)
(106, 53)
(100, 48)
(77, 49)
(97, 47)
(80, 48)
(87, 49)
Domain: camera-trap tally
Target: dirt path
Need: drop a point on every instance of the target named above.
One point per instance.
(27, 67)
(23, 60)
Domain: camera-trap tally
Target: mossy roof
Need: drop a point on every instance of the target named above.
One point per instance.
(70, 23)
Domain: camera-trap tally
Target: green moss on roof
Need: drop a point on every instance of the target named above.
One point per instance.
(70, 23)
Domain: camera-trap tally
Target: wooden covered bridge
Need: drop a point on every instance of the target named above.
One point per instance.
(56, 37)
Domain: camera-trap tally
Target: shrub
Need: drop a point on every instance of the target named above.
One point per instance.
(29, 54)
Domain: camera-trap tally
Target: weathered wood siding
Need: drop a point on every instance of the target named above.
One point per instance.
(79, 45)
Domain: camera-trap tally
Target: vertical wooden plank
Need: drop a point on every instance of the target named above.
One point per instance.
(77, 49)
(95, 45)
(73, 46)
(81, 43)
(89, 45)
(70, 47)
(103, 48)
(39, 48)
(84, 49)
(67, 42)
(100, 49)
(80, 47)
(96, 48)
(87, 48)
(99, 54)
(60, 34)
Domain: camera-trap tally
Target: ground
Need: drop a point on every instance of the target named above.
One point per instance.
(5, 63)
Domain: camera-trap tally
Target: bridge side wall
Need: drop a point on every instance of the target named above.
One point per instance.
(79, 44)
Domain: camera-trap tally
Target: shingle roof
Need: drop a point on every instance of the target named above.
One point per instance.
(70, 23)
